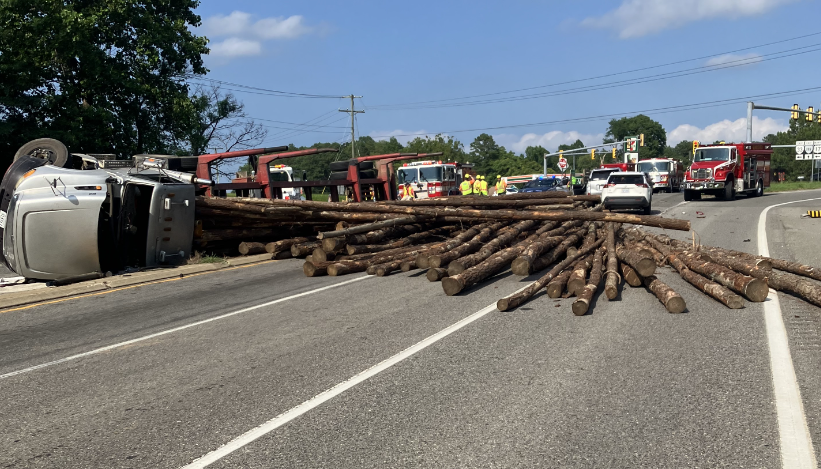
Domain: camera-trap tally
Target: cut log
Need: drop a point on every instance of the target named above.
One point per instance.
(334, 244)
(517, 299)
(557, 286)
(517, 215)
(668, 297)
(612, 279)
(715, 290)
(315, 270)
(582, 304)
(282, 255)
(247, 249)
(502, 239)
(630, 276)
(303, 249)
(754, 289)
(422, 260)
(643, 264)
(471, 246)
(573, 238)
(524, 264)
(285, 244)
(408, 265)
(370, 227)
(577, 280)
(436, 274)
(390, 267)
(321, 255)
(341, 225)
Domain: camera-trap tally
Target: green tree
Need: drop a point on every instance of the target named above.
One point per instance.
(452, 149)
(484, 151)
(536, 154)
(683, 151)
(783, 159)
(102, 76)
(655, 137)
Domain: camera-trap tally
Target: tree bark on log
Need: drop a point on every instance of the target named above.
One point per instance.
(519, 298)
(389, 267)
(502, 240)
(612, 280)
(334, 244)
(370, 227)
(668, 297)
(715, 290)
(436, 274)
(648, 220)
(443, 259)
(282, 255)
(557, 286)
(644, 265)
(577, 279)
(585, 296)
(247, 249)
(754, 289)
(545, 261)
(408, 265)
(422, 259)
(523, 265)
(630, 276)
(285, 244)
(303, 249)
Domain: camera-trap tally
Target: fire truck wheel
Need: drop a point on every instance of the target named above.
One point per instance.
(729, 190)
(759, 189)
(670, 187)
(48, 148)
(688, 195)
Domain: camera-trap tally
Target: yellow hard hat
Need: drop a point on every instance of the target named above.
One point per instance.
(499, 176)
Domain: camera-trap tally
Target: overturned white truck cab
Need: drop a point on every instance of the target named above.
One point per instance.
(66, 216)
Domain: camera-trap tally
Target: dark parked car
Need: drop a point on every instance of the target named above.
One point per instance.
(545, 185)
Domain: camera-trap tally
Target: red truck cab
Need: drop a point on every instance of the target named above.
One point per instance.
(725, 170)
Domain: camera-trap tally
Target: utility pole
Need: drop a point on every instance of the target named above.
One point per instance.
(353, 113)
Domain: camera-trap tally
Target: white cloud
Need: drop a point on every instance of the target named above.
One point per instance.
(636, 18)
(235, 47)
(733, 60)
(245, 35)
(727, 130)
(550, 141)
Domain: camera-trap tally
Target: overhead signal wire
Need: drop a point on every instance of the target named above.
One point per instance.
(608, 75)
(258, 90)
(661, 110)
(632, 81)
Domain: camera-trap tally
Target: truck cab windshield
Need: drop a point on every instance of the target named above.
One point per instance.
(713, 154)
(651, 166)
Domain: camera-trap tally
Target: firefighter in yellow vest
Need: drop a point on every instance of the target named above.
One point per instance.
(464, 187)
(501, 187)
(407, 192)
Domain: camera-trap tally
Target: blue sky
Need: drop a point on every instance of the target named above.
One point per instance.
(409, 52)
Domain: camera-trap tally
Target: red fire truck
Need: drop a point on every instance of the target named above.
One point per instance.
(725, 170)
(431, 178)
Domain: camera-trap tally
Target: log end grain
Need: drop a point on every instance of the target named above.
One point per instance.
(371, 270)
(735, 302)
(452, 285)
(382, 271)
(422, 261)
(646, 267)
(503, 304)
(575, 286)
(520, 266)
(407, 266)
(757, 290)
(335, 270)
(611, 292)
(435, 261)
(676, 305)
(435, 275)
(580, 307)
(312, 270)
(555, 289)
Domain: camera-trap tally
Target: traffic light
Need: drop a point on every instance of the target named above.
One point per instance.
(614, 153)
(593, 154)
(641, 140)
(695, 146)
(794, 113)
(809, 114)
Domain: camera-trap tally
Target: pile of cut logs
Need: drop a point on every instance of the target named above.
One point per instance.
(463, 241)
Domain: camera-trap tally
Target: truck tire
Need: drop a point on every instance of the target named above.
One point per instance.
(368, 174)
(366, 165)
(338, 176)
(47, 148)
(759, 189)
(339, 165)
(688, 195)
(669, 187)
(729, 190)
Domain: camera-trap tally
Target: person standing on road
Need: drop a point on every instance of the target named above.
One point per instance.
(465, 188)
(482, 185)
(501, 187)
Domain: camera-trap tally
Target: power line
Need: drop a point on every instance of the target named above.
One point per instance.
(611, 74)
(662, 110)
(250, 89)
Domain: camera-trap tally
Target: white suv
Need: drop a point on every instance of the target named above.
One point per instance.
(630, 190)
(597, 180)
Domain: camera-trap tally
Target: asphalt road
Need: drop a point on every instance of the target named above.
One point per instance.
(626, 386)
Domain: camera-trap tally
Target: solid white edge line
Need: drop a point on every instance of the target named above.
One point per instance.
(176, 329)
(795, 440)
(329, 394)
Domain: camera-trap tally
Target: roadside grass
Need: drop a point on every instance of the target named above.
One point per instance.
(793, 186)
(203, 258)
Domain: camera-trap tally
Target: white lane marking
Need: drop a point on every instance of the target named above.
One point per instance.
(796, 442)
(671, 208)
(329, 394)
(176, 329)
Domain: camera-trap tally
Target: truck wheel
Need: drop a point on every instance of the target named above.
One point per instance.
(688, 195)
(729, 191)
(670, 187)
(339, 166)
(47, 148)
(759, 189)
